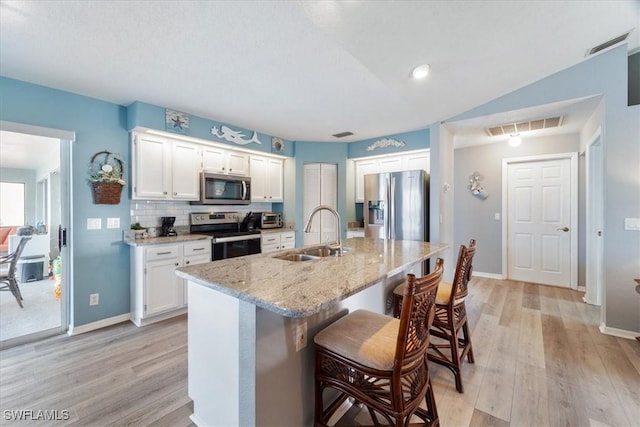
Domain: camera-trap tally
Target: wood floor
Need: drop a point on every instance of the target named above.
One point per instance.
(540, 361)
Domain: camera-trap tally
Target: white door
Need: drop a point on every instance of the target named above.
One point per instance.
(320, 188)
(540, 222)
(594, 199)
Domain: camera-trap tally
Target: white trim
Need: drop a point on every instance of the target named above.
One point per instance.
(37, 130)
(157, 318)
(197, 421)
(573, 157)
(399, 153)
(592, 254)
(75, 330)
(621, 333)
(487, 275)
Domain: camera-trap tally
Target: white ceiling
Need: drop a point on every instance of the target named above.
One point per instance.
(304, 70)
(21, 151)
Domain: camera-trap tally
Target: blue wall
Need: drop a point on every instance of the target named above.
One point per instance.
(416, 140)
(100, 258)
(150, 116)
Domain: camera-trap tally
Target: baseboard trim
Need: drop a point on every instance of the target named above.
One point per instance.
(487, 275)
(75, 330)
(621, 333)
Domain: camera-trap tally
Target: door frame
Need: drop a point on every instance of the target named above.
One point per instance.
(594, 183)
(573, 157)
(66, 302)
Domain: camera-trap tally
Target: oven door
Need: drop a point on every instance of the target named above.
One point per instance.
(231, 247)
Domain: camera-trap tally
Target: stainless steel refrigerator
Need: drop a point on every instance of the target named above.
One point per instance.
(396, 205)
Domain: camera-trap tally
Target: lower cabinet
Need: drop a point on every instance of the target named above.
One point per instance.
(275, 241)
(156, 292)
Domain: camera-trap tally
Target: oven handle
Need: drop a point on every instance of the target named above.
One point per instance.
(235, 238)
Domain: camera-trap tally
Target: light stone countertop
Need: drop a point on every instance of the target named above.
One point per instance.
(301, 289)
(180, 238)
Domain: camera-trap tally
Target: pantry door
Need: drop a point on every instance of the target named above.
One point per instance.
(541, 220)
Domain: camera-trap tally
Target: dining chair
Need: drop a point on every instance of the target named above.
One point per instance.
(380, 361)
(9, 277)
(451, 341)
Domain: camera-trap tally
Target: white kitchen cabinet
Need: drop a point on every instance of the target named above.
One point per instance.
(320, 188)
(164, 169)
(267, 179)
(156, 292)
(273, 241)
(395, 163)
(219, 160)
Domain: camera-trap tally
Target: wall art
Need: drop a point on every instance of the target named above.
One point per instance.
(385, 142)
(237, 137)
(175, 121)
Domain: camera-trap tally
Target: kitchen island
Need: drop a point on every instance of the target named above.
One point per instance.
(252, 320)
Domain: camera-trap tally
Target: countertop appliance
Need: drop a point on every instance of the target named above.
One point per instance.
(167, 226)
(265, 220)
(218, 189)
(228, 241)
(396, 205)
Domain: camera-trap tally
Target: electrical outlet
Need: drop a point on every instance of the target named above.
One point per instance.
(94, 299)
(301, 335)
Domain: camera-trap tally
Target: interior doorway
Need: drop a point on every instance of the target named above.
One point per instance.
(38, 160)
(540, 231)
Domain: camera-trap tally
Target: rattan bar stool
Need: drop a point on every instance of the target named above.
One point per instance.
(380, 361)
(449, 346)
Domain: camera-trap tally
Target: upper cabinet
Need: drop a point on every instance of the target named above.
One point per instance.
(164, 169)
(219, 160)
(266, 179)
(396, 163)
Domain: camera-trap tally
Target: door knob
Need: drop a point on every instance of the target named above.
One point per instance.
(565, 229)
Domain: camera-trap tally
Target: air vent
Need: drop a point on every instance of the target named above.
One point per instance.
(607, 44)
(519, 127)
(342, 134)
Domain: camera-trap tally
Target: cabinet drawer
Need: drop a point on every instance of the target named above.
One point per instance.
(201, 247)
(288, 236)
(162, 252)
(269, 239)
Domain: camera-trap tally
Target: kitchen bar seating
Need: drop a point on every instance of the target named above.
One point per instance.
(380, 361)
(449, 348)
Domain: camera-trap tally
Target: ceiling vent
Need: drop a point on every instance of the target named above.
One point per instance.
(608, 44)
(513, 128)
(342, 134)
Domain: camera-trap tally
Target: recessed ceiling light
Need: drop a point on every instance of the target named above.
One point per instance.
(515, 140)
(421, 71)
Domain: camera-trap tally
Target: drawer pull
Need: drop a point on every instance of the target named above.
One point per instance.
(198, 249)
(164, 253)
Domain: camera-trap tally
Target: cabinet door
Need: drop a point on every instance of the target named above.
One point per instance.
(258, 169)
(163, 291)
(152, 168)
(193, 260)
(238, 163)
(417, 161)
(288, 240)
(270, 242)
(390, 164)
(363, 167)
(213, 159)
(185, 171)
(274, 177)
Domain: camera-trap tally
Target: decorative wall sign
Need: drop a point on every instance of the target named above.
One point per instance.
(385, 142)
(175, 121)
(237, 137)
(277, 144)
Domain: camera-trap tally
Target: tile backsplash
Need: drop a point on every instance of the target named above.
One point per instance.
(148, 212)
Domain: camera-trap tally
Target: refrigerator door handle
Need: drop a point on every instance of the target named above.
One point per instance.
(392, 209)
(387, 216)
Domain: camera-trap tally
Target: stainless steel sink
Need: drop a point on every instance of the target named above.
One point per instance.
(309, 254)
(296, 257)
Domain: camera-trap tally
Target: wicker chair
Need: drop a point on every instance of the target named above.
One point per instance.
(9, 279)
(380, 361)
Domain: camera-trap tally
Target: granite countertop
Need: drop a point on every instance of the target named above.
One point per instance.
(160, 240)
(301, 289)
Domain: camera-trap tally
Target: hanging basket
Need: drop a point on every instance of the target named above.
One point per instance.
(106, 193)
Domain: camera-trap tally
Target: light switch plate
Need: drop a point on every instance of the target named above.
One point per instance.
(94, 223)
(496, 216)
(632, 223)
(113, 222)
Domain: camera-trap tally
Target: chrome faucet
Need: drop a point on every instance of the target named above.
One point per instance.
(338, 243)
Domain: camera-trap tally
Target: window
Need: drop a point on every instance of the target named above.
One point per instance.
(11, 204)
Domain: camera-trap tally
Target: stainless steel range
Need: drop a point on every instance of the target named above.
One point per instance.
(227, 239)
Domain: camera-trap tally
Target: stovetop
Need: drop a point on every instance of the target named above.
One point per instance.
(218, 224)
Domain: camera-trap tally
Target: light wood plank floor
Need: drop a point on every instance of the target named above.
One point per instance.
(540, 361)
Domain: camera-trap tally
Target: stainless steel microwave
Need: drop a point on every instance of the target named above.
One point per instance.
(218, 189)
